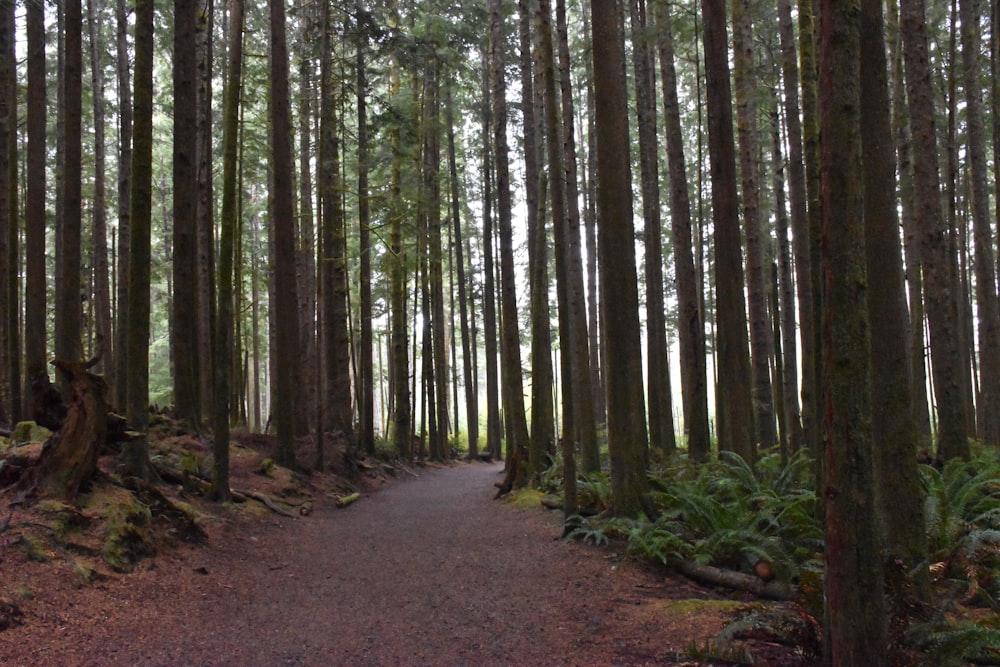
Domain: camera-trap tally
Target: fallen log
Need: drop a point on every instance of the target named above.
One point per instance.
(270, 504)
(708, 574)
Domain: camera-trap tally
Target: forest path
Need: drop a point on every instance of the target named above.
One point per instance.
(428, 571)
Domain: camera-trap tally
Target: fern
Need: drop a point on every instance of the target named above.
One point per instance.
(947, 645)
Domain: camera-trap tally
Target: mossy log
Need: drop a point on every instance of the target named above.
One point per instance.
(706, 574)
(69, 458)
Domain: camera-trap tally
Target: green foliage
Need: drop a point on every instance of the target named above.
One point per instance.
(728, 514)
(963, 525)
(594, 491)
(946, 644)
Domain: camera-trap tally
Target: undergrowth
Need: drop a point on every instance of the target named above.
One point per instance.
(731, 515)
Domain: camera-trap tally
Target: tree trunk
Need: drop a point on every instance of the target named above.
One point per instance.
(627, 441)
(222, 369)
(987, 305)
(366, 403)
(911, 246)
(8, 220)
(100, 268)
(124, 202)
(35, 296)
(587, 411)
(854, 568)
(68, 312)
(937, 264)
(812, 379)
(135, 452)
(510, 348)
(184, 329)
(799, 220)
(736, 432)
(468, 343)
(661, 423)
(285, 308)
(490, 330)
(899, 497)
(691, 325)
(759, 254)
(204, 204)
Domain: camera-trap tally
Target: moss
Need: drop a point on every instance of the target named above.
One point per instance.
(695, 606)
(266, 467)
(29, 432)
(65, 518)
(129, 536)
(528, 498)
(34, 549)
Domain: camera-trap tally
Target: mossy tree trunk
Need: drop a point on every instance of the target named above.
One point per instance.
(853, 582)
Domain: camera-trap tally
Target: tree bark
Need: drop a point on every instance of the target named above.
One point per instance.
(987, 303)
(285, 309)
(661, 423)
(185, 315)
(735, 418)
(691, 322)
(35, 296)
(135, 453)
(899, 497)
(627, 440)
(124, 201)
(937, 264)
(758, 252)
(853, 578)
(222, 369)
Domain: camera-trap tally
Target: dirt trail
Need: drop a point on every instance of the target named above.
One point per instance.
(428, 571)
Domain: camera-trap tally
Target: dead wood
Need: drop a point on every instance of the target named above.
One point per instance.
(69, 458)
(270, 504)
(707, 574)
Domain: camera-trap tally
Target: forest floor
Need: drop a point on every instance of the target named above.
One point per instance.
(426, 568)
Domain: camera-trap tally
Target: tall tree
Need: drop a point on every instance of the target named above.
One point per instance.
(987, 303)
(9, 356)
(35, 295)
(366, 395)
(661, 423)
(471, 393)
(627, 441)
(798, 216)
(135, 452)
(333, 268)
(588, 410)
(493, 428)
(402, 436)
(124, 198)
(938, 265)
(99, 234)
(691, 324)
(735, 416)
(204, 202)
(899, 501)
(758, 264)
(184, 328)
(510, 346)
(856, 617)
(284, 309)
(223, 362)
(69, 311)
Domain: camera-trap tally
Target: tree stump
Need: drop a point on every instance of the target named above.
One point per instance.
(69, 458)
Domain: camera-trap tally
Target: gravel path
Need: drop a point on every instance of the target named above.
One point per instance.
(428, 571)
